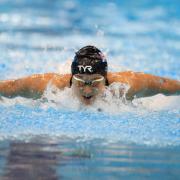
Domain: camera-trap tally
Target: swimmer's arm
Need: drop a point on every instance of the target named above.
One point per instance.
(32, 86)
(143, 85)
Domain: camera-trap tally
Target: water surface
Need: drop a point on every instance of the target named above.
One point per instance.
(61, 139)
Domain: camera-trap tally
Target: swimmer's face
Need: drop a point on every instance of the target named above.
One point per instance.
(88, 87)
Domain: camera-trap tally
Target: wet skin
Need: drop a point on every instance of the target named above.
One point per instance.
(88, 93)
(141, 85)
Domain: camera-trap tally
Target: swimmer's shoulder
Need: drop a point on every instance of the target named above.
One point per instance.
(33, 86)
(59, 80)
(39, 81)
(122, 77)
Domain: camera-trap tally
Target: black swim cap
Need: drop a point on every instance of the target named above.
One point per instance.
(89, 60)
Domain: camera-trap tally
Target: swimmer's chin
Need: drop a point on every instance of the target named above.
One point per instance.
(87, 100)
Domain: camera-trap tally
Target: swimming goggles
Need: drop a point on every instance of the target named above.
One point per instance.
(88, 80)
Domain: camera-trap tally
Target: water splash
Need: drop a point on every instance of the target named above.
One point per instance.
(59, 113)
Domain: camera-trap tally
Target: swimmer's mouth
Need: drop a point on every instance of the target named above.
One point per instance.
(87, 97)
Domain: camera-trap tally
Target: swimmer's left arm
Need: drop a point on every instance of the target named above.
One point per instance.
(143, 85)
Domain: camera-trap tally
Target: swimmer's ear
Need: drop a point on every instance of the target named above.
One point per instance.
(70, 82)
(106, 82)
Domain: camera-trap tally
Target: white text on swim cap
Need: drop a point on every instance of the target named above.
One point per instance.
(85, 68)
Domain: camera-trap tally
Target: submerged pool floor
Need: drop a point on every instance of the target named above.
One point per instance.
(44, 158)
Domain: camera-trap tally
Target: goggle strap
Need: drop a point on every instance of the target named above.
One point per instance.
(98, 80)
(78, 79)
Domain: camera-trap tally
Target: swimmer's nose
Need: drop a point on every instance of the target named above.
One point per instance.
(87, 91)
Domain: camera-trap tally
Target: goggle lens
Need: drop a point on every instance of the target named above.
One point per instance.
(91, 80)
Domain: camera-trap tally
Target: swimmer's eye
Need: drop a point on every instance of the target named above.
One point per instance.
(95, 84)
(80, 84)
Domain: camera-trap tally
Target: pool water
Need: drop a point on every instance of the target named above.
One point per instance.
(58, 138)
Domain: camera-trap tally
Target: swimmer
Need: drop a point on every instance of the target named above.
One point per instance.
(88, 79)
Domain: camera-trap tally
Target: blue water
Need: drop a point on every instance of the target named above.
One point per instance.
(60, 139)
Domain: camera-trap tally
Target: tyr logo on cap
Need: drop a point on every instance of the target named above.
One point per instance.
(85, 68)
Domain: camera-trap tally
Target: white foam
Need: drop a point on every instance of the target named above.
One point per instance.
(159, 102)
(112, 101)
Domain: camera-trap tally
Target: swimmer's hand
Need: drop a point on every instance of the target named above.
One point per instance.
(143, 85)
(32, 86)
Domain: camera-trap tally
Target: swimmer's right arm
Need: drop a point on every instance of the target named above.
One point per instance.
(32, 86)
(144, 85)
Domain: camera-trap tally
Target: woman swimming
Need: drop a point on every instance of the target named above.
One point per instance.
(88, 79)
